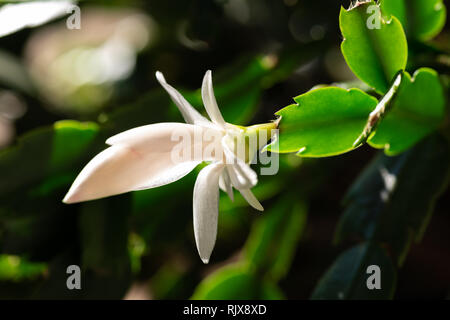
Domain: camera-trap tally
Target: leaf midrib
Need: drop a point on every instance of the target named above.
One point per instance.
(328, 122)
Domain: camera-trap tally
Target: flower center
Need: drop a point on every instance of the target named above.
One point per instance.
(245, 142)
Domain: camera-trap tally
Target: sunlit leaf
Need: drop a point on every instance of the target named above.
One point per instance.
(417, 110)
(324, 122)
(375, 49)
(422, 19)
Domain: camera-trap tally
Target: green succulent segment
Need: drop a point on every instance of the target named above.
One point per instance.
(417, 110)
(383, 107)
(375, 49)
(329, 121)
(324, 122)
(422, 19)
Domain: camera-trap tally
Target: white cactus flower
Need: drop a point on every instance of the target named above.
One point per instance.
(143, 158)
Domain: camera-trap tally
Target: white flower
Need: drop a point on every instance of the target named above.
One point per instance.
(16, 16)
(143, 158)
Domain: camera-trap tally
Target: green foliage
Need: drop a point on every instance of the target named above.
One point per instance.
(171, 280)
(45, 152)
(267, 257)
(393, 199)
(383, 107)
(18, 269)
(104, 238)
(238, 89)
(422, 19)
(104, 243)
(329, 121)
(45, 162)
(324, 122)
(374, 54)
(271, 245)
(238, 96)
(236, 283)
(346, 278)
(418, 109)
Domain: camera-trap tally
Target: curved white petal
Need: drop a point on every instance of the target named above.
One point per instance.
(209, 100)
(251, 199)
(225, 184)
(140, 158)
(182, 142)
(206, 209)
(120, 169)
(166, 133)
(190, 114)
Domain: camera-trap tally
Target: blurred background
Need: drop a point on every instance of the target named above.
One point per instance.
(63, 92)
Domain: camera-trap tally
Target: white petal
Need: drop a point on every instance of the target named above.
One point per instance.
(209, 100)
(251, 199)
(241, 175)
(14, 17)
(120, 169)
(139, 158)
(206, 209)
(240, 181)
(167, 137)
(225, 184)
(190, 114)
